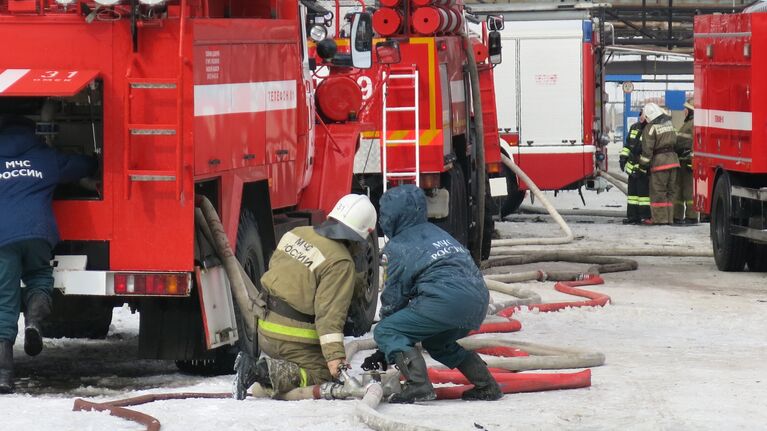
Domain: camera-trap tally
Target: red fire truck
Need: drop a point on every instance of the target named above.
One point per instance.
(548, 91)
(178, 99)
(729, 164)
(425, 116)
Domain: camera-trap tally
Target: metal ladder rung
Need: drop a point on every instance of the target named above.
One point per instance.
(152, 129)
(410, 74)
(148, 175)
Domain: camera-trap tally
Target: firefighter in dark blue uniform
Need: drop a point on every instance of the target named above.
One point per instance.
(638, 197)
(434, 294)
(29, 172)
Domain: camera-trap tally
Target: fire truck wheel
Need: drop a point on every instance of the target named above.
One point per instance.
(250, 254)
(513, 200)
(729, 250)
(489, 225)
(457, 221)
(362, 310)
(756, 258)
(77, 317)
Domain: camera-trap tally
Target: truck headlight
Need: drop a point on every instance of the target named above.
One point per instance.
(65, 2)
(107, 2)
(152, 2)
(318, 33)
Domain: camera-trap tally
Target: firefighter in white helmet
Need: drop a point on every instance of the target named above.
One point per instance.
(660, 160)
(308, 288)
(684, 210)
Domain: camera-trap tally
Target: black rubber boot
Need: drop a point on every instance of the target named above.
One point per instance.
(6, 367)
(248, 372)
(417, 386)
(38, 308)
(485, 387)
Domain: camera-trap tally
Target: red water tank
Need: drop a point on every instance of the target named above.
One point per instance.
(339, 98)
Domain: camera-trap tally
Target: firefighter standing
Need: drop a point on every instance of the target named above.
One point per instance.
(309, 287)
(638, 197)
(29, 172)
(434, 294)
(684, 211)
(659, 158)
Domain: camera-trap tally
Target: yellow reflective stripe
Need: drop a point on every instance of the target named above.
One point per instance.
(644, 159)
(634, 133)
(304, 379)
(625, 151)
(288, 330)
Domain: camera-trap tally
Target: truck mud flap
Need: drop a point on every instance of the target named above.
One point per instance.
(218, 319)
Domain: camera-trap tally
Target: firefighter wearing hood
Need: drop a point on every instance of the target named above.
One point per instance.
(434, 294)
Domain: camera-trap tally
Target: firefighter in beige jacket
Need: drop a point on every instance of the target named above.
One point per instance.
(308, 287)
(660, 160)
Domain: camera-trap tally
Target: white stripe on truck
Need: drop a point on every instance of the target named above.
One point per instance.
(10, 77)
(243, 98)
(728, 120)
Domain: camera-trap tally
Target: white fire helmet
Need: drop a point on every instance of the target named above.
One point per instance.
(353, 218)
(652, 111)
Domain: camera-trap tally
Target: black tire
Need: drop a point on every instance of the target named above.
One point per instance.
(489, 225)
(250, 254)
(729, 250)
(513, 200)
(362, 310)
(756, 257)
(77, 317)
(457, 221)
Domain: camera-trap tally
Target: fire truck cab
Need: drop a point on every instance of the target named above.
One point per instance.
(178, 99)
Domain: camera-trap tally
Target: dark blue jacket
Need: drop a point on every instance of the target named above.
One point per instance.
(29, 172)
(428, 270)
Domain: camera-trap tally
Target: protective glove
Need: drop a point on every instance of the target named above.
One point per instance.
(376, 361)
(630, 168)
(622, 161)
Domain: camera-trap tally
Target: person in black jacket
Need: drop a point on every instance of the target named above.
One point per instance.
(29, 173)
(638, 196)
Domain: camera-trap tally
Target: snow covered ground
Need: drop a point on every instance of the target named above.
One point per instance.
(685, 349)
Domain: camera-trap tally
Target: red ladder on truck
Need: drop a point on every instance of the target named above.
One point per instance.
(409, 77)
(173, 130)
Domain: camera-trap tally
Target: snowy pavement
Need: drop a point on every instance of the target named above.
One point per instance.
(685, 349)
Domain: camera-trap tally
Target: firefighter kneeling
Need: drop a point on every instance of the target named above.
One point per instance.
(309, 287)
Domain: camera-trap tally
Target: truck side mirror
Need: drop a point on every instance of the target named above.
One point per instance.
(388, 52)
(361, 42)
(494, 48)
(495, 23)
